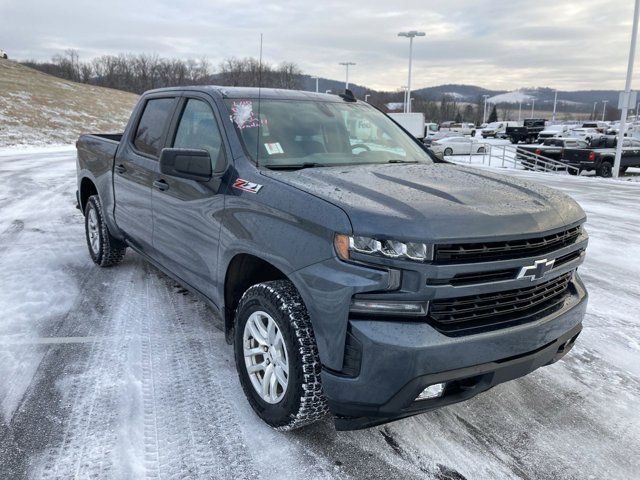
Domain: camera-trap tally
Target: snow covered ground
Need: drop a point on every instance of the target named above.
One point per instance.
(119, 373)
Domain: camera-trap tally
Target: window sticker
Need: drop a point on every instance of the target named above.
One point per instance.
(273, 148)
(242, 114)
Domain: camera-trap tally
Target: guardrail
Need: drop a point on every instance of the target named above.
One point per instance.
(503, 155)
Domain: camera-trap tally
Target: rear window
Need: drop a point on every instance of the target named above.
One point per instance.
(148, 137)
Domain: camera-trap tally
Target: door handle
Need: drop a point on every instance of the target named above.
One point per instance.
(161, 185)
(120, 169)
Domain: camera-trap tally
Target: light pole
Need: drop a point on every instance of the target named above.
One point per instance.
(519, 110)
(410, 35)
(627, 90)
(533, 106)
(593, 115)
(366, 95)
(316, 79)
(604, 108)
(346, 64)
(555, 101)
(484, 113)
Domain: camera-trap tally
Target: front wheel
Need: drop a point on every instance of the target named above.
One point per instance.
(277, 357)
(104, 249)
(481, 150)
(604, 170)
(447, 152)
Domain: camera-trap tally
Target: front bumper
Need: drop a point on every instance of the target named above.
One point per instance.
(399, 360)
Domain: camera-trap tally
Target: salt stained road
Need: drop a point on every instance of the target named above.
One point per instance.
(119, 373)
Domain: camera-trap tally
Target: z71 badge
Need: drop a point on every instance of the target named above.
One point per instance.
(241, 184)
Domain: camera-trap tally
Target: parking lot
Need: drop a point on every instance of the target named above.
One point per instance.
(119, 372)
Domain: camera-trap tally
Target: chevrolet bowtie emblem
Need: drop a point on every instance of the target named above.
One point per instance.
(536, 271)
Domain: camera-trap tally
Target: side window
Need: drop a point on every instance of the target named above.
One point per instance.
(198, 129)
(148, 137)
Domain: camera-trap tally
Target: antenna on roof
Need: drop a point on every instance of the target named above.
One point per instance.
(259, 92)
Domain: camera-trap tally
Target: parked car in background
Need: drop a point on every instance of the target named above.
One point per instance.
(601, 154)
(438, 136)
(430, 129)
(555, 131)
(586, 133)
(497, 129)
(528, 132)
(3, 54)
(458, 146)
(598, 125)
(463, 129)
(631, 129)
(551, 149)
(446, 125)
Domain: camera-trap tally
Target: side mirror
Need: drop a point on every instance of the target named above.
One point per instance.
(186, 163)
(438, 154)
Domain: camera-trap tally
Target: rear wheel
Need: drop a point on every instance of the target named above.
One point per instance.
(277, 358)
(573, 171)
(104, 249)
(447, 152)
(604, 170)
(481, 150)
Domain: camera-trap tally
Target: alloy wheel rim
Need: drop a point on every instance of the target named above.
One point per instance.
(265, 357)
(94, 231)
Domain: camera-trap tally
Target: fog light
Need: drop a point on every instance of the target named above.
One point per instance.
(432, 391)
(387, 307)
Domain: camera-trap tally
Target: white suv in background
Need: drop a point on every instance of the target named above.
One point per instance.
(3, 54)
(555, 131)
(463, 128)
(497, 129)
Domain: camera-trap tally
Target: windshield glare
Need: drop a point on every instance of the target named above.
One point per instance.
(283, 133)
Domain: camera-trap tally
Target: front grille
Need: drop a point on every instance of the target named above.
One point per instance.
(488, 251)
(497, 309)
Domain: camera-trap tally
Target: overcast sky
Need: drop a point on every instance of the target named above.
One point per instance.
(566, 44)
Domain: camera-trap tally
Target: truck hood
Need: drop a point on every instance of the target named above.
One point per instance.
(435, 202)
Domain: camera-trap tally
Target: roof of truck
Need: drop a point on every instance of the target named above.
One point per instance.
(254, 92)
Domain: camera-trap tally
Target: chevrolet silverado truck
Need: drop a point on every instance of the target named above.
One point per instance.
(354, 272)
(600, 156)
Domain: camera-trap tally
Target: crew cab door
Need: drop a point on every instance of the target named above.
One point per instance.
(135, 166)
(187, 213)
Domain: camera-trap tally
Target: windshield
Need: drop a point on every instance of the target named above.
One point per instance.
(296, 134)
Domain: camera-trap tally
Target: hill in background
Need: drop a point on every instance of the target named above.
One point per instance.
(39, 109)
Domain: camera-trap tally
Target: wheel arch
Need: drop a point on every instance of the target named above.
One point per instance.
(243, 271)
(87, 188)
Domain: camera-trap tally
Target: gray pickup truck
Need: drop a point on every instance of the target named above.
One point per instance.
(354, 272)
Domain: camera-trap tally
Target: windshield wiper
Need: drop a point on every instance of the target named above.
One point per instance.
(295, 166)
(396, 160)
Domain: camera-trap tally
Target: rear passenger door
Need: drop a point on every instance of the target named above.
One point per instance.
(135, 166)
(187, 213)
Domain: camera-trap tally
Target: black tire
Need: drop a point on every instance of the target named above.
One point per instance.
(107, 250)
(573, 171)
(481, 150)
(303, 402)
(473, 133)
(605, 170)
(447, 152)
(623, 170)
(513, 140)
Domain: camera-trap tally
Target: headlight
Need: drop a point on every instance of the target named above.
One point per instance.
(418, 252)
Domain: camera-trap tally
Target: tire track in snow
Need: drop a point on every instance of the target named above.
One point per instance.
(192, 431)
